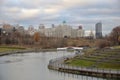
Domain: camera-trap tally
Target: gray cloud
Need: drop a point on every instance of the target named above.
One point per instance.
(75, 12)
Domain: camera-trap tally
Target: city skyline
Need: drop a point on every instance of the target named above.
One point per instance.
(77, 12)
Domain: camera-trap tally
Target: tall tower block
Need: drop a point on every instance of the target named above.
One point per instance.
(98, 30)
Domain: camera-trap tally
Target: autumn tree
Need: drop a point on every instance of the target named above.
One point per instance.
(36, 36)
(114, 36)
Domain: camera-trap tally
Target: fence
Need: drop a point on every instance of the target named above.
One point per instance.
(58, 64)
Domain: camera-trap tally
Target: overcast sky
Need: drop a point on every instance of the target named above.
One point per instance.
(74, 12)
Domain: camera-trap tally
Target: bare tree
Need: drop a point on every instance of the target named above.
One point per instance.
(103, 43)
(114, 36)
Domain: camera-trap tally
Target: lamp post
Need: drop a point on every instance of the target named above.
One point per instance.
(13, 35)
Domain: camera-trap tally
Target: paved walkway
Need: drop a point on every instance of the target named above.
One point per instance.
(58, 63)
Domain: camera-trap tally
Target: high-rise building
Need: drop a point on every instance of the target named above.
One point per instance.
(98, 29)
(80, 27)
(21, 29)
(31, 30)
(62, 31)
(41, 26)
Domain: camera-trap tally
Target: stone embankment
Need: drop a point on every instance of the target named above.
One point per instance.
(58, 64)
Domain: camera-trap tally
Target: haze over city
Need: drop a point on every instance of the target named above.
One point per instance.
(77, 12)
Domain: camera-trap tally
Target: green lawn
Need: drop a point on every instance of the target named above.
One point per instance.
(116, 47)
(89, 59)
(77, 62)
(109, 65)
(5, 48)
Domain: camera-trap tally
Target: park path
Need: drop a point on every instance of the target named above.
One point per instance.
(58, 64)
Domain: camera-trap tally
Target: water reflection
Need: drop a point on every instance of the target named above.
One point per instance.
(33, 66)
(67, 76)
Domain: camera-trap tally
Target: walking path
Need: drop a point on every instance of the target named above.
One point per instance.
(58, 64)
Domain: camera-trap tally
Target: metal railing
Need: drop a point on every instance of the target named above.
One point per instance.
(58, 63)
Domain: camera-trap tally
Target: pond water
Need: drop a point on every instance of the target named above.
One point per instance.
(33, 66)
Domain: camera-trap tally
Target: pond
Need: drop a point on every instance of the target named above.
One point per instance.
(33, 66)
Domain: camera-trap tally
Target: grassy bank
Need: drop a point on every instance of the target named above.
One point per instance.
(98, 58)
(78, 62)
(8, 48)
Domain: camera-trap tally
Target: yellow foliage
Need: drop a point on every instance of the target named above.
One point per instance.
(36, 36)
